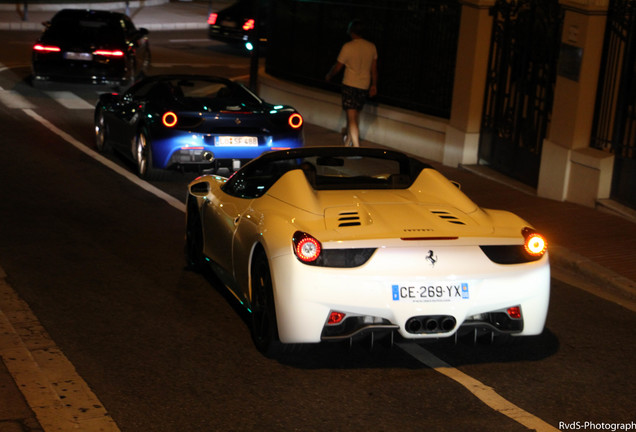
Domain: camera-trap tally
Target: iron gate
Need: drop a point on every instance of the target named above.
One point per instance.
(614, 127)
(520, 86)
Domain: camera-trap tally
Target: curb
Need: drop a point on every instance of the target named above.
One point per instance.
(610, 281)
(17, 9)
(39, 7)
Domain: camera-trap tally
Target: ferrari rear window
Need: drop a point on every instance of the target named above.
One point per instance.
(327, 172)
(354, 172)
(200, 94)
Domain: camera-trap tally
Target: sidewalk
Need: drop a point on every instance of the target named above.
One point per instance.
(596, 245)
(155, 15)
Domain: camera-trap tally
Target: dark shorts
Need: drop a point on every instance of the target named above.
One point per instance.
(353, 97)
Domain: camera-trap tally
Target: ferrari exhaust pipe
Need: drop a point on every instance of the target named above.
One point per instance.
(208, 156)
(448, 323)
(413, 325)
(430, 324)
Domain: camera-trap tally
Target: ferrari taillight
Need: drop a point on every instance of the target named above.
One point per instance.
(169, 119)
(249, 24)
(535, 244)
(46, 48)
(306, 247)
(295, 120)
(212, 18)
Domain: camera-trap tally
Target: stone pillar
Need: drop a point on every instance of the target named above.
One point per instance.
(570, 169)
(462, 134)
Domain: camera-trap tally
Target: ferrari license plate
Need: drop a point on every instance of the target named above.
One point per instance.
(78, 56)
(430, 292)
(236, 141)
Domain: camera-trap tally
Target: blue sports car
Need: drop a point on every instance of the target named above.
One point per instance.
(186, 122)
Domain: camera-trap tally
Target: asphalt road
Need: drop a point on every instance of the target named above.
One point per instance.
(99, 260)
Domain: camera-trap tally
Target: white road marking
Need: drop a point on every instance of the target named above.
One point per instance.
(69, 100)
(58, 396)
(13, 99)
(484, 393)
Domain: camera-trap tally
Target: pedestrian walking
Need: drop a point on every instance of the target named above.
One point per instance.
(359, 59)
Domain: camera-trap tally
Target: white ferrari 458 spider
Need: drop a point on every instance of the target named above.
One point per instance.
(329, 243)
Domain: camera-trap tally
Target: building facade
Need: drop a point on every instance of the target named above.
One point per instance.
(541, 90)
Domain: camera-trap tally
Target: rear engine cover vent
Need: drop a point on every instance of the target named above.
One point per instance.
(448, 217)
(347, 219)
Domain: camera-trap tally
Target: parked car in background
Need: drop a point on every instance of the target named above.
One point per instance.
(185, 122)
(336, 243)
(94, 46)
(237, 23)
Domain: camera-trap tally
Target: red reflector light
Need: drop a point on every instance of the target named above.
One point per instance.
(295, 120)
(46, 48)
(535, 244)
(212, 18)
(109, 53)
(335, 318)
(514, 312)
(169, 119)
(306, 248)
(249, 25)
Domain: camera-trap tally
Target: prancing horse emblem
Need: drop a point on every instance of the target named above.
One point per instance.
(431, 257)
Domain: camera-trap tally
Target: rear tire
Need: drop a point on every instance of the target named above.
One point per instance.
(101, 137)
(264, 328)
(194, 238)
(143, 157)
(36, 82)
